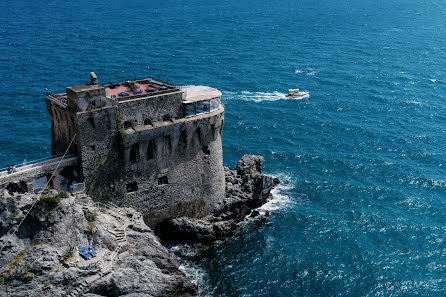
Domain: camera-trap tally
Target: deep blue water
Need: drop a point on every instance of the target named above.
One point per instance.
(362, 208)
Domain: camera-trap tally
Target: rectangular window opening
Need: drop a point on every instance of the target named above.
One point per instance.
(163, 180)
(132, 187)
(151, 150)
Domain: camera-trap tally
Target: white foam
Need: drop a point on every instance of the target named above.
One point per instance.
(299, 71)
(432, 80)
(414, 102)
(280, 200)
(312, 72)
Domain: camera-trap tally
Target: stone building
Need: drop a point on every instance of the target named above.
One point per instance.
(144, 144)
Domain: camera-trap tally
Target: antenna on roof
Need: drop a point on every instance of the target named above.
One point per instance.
(47, 92)
(167, 79)
(109, 80)
(134, 74)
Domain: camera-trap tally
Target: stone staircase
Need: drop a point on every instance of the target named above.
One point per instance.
(121, 239)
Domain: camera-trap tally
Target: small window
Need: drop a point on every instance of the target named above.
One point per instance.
(93, 147)
(198, 134)
(128, 124)
(167, 145)
(206, 150)
(183, 139)
(91, 122)
(166, 118)
(213, 130)
(132, 187)
(93, 103)
(148, 122)
(151, 150)
(163, 180)
(221, 127)
(134, 153)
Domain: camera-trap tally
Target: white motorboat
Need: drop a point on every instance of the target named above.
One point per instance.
(295, 93)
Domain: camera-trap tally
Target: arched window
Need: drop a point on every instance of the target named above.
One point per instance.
(151, 149)
(167, 145)
(198, 134)
(148, 122)
(183, 140)
(213, 130)
(134, 153)
(221, 127)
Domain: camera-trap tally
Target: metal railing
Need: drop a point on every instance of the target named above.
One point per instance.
(57, 99)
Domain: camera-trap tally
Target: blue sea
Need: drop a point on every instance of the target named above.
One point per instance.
(361, 210)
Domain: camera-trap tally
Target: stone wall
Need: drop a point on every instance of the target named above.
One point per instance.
(100, 147)
(63, 127)
(153, 108)
(178, 167)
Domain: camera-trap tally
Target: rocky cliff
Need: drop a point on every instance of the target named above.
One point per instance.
(42, 257)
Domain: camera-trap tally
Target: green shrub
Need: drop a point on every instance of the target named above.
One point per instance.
(47, 202)
(89, 215)
(62, 194)
(68, 253)
(12, 217)
(91, 226)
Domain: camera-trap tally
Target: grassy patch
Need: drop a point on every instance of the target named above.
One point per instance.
(62, 194)
(91, 226)
(89, 215)
(17, 268)
(12, 217)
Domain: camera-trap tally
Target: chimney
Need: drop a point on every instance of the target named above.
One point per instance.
(93, 78)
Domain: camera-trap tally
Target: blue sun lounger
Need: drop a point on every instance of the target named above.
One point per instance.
(92, 251)
(83, 252)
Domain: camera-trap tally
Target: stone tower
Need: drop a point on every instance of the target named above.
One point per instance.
(145, 144)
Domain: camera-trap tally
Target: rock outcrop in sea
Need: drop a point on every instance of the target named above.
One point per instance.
(246, 189)
(42, 257)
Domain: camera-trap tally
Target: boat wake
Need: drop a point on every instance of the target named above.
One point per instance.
(310, 71)
(261, 96)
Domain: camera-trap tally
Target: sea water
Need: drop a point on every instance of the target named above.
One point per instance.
(361, 210)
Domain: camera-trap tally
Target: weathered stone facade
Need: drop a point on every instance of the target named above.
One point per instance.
(144, 144)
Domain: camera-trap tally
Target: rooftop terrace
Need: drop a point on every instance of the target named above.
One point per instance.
(123, 90)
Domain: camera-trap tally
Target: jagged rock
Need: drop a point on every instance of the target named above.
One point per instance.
(250, 164)
(33, 260)
(254, 213)
(246, 188)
